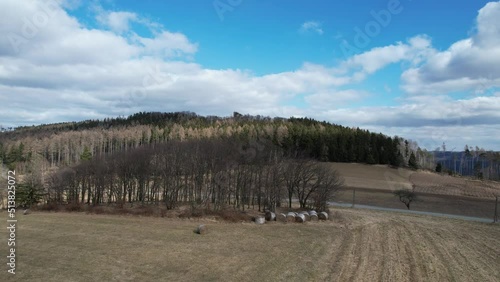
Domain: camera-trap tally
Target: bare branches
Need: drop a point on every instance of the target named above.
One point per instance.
(406, 196)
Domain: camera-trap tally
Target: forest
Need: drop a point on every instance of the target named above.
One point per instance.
(62, 144)
(209, 162)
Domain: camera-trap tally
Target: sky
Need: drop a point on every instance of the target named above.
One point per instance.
(425, 70)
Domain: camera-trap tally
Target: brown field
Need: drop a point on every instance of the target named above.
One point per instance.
(379, 177)
(427, 182)
(373, 176)
(464, 206)
(356, 245)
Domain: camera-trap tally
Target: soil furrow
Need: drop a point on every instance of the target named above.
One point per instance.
(396, 268)
(384, 244)
(340, 262)
(443, 256)
(417, 250)
(354, 255)
(367, 253)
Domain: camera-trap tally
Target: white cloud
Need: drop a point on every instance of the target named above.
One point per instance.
(426, 111)
(328, 100)
(311, 26)
(468, 65)
(417, 48)
(429, 120)
(117, 21)
(167, 44)
(488, 26)
(70, 4)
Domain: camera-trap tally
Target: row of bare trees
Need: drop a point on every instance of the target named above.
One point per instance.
(208, 173)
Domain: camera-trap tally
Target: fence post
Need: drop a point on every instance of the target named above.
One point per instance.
(495, 217)
(353, 197)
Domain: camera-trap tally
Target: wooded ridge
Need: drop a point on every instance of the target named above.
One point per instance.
(186, 158)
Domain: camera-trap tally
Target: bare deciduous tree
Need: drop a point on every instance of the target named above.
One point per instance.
(406, 196)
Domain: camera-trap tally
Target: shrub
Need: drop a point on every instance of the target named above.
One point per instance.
(233, 216)
(188, 213)
(145, 210)
(48, 207)
(96, 210)
(73, 207)
(226, 215)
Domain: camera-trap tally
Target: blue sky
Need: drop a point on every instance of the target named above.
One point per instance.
(425, 70)
(262, 35)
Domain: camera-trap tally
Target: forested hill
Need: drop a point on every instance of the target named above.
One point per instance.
(64, 144)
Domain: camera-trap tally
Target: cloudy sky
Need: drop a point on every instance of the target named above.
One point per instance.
(425, 70)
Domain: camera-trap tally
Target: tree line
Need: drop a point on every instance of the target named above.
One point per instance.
(211, 174)
(475, 162)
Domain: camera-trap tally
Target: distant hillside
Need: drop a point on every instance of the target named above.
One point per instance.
(63, 144)
(474, 162)
(379, 177)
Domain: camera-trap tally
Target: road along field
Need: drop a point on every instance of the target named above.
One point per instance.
(356, 245)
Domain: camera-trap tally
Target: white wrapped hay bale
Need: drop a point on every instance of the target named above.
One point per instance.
(306, 215)
(300, 218)
(260, 220)
(313, 216)
(323, 216)
(270, 216)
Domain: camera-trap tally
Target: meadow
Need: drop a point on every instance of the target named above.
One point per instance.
(355, 245)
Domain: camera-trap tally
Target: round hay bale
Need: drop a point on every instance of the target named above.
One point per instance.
(281, 217)
(313, 216)
(26, 212)
(300, 218)
(323, 216)
(260, 220)
(290, 217)
(270, 216)
(306, 215)
(202, 230)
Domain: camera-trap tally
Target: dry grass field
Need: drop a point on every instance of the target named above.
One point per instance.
(379, 177)
(464, 206)
(373, 176)
(427, 182)
(437, 193)
(356, 245)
